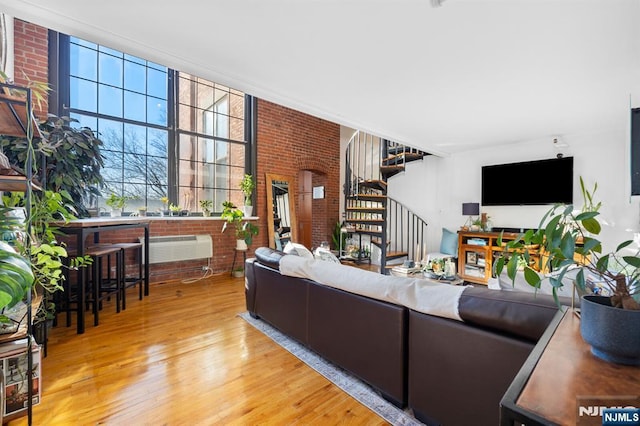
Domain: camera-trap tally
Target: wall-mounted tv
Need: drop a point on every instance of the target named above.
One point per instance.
(528, 183)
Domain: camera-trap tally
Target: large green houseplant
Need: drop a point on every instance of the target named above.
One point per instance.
(572, 255)
(244, 230)
(247, 186)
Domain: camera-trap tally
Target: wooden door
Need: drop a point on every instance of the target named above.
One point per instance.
(305, 215)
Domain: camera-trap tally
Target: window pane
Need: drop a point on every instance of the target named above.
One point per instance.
(82, 94)
(134, 106)
(110, 70)
(236, 108)
(187, 147)
(187, 175)
(83, 62)
(75, 40)
(135, 77)
(157, 83)
(135, 139)
(112, 170)
(110, 100)
(138, 194)
(135, 168)
(236, 129)
(157, 175)
(110, 51)
(83, 121)
(111, 134)
(157, 142)
(134, 59)
(156, 111)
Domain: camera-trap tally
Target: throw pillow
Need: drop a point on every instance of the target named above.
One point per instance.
(297, 250)
(449, 243)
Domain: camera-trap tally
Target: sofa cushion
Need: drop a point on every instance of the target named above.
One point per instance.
(270, 257)
(449, 243)
(515, 313)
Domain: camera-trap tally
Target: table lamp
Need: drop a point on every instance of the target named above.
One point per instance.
(470, 209)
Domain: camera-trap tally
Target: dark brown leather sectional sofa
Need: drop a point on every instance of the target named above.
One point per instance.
(448, 372)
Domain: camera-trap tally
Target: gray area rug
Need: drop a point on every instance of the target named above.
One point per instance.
(339, 377)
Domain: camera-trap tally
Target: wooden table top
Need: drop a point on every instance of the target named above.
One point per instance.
(103, 221)
(567, 369)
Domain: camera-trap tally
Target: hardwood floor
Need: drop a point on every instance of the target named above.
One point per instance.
(183, 356)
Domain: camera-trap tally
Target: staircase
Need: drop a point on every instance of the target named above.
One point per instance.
(370, 215)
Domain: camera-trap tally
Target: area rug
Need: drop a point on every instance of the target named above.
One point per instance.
(339, 377)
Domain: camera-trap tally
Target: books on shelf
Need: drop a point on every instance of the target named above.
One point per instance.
(477, 242)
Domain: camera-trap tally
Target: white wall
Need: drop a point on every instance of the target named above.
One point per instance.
(436, 187)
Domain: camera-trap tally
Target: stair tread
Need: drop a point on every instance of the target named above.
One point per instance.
(373, 183)
(403, 156)
(366, 209)
(396, 254)
(369, 221)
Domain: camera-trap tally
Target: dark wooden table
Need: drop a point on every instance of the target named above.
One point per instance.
(82, 228)
(560, 369)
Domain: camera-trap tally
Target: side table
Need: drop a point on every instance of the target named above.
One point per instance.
(560, 373)
(235, 256)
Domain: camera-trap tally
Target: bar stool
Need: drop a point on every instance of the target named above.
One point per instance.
(128, 280)
(102, 288)
(97, 286)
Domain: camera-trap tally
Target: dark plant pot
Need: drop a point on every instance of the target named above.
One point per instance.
(611, 332)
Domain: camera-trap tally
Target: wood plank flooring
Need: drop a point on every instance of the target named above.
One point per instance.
(183, 356)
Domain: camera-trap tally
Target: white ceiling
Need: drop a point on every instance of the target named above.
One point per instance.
(457, 77)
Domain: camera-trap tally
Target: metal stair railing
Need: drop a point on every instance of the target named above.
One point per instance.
(400, 229)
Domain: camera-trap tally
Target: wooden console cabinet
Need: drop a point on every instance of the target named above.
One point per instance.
(477, 251)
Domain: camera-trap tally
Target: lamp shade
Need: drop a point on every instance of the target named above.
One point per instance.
(470, 209)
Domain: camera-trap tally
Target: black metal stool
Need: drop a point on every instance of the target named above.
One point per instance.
(131, 281)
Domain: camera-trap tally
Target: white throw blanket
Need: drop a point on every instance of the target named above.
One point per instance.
(414, 293)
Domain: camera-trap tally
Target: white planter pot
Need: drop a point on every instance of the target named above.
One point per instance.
(241, 245)
(247, 211)
(238, 274)
(116, 212)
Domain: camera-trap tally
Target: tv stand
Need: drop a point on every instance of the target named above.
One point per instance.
(477, 251)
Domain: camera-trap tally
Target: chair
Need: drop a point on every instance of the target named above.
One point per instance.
(128, 280)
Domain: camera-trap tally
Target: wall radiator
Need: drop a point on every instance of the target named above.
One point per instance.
(174, 248)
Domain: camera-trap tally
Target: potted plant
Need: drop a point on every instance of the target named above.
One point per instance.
(206, 206)
(164, 211)
(609, 282)
(247, 186)
(117, 203)
(245, 231)
(142, 211)
(238, 272)
(175, 210)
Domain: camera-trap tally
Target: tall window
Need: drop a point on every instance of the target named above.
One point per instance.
(212, 133)
(129, 101)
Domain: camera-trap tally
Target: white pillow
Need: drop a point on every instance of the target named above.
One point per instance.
(324, 254)
(297, 250)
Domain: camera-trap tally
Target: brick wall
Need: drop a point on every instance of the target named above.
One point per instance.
(31, 57)
(288, 141)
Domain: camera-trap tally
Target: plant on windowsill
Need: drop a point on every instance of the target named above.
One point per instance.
(610, 282)
(175, 210)
(247, 186)
(206, 206)
(245, 231)
(117, 203)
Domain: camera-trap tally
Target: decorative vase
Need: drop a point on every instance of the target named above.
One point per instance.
(241, 245)
(247, 210)
(611, 332)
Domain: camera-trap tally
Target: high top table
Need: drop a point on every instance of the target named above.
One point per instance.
(82, 228)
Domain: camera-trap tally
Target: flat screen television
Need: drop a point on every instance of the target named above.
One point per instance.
(528, 183)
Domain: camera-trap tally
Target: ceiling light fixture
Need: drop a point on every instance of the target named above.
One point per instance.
(437, 3)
